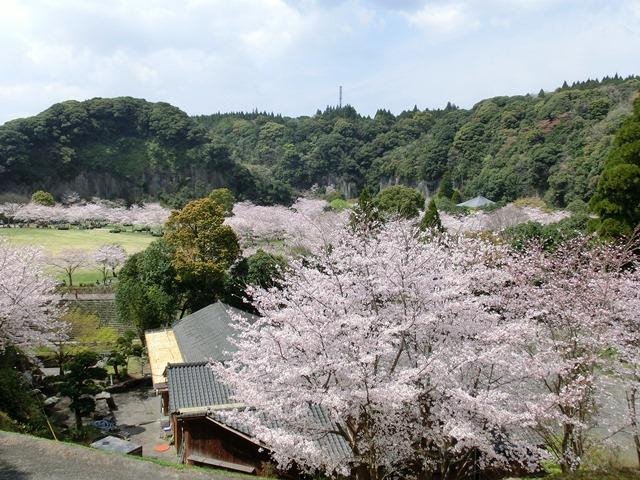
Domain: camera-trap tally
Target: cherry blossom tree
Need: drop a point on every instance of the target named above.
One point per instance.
(389, 336)
(97, 211)
(570, 309)
(29, 309)
(68, 261)
(306, 225)
(628, 366)
(109, 257)
(498, 220)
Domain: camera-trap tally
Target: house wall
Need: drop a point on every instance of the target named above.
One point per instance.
(205, 438)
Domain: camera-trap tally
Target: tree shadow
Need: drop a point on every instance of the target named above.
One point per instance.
(10, 472)
(131, 429)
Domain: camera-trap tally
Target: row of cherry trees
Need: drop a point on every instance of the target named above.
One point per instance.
(440, 355)
(152, 214)
(309, 222)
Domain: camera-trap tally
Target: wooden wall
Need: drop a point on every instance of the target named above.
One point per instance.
(203, 437)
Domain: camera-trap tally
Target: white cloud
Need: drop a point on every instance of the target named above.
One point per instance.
(445, 18)
(289, 56)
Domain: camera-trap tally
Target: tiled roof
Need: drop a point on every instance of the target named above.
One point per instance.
(194, 385)
(203, 335)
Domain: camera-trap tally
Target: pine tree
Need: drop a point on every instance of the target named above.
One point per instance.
(445, 190)
(431, 219)
(456, 197)
(617, 197)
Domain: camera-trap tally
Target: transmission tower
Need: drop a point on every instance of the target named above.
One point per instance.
(340, 96)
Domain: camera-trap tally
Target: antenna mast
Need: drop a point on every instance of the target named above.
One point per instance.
(340, 96)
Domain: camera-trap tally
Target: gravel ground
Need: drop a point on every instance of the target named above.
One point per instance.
(139, 415)
(28, 458)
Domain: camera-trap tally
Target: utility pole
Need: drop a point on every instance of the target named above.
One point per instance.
(340, 96)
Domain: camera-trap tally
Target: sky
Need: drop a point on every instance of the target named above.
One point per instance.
(290, 56)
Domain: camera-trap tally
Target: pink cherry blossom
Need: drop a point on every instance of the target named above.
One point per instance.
(29, 309)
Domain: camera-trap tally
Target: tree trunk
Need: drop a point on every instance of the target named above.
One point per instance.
(78, 419)
(365, 473)
(570, 452)
(70, 279)
(633, 419)
(115, 369)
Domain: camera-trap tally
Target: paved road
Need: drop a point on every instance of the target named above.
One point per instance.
(28, 458)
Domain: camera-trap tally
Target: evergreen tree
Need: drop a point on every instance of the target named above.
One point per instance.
(431, 218)
(41, 197)
(445, 190)
(405, 202)
(365, 215)
(617, 197)
(456, 197)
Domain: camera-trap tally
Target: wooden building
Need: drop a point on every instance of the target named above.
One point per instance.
(201, 436)
(194, 399)
(201, 336)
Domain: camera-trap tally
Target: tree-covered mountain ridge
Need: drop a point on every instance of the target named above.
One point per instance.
(550, 144)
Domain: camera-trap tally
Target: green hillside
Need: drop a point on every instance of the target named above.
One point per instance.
(120, 148)
(551, 144)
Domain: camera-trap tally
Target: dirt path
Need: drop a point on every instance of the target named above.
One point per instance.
(28, 458)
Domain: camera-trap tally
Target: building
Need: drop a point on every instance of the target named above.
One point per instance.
(201, 336)
(476, 202)
(200, 435)
(195, 400)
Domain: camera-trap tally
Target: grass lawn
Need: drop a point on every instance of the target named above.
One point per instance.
(53, 241)
(626, 474)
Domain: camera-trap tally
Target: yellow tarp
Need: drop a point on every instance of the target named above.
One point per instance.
(162, 349)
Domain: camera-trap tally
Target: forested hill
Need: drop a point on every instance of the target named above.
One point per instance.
(504, 147)
(122, 148)
(552, 144)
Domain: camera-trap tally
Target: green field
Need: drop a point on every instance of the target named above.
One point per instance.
(53, 241)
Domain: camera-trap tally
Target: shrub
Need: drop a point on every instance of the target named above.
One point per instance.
(41, 197)
(533, 202)
(400, 200)
(333, 195)
(338, 205)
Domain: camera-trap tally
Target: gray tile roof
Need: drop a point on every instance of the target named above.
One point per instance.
(194, 385)
(203, 335)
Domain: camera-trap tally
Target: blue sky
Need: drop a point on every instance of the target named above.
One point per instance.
(289, 56)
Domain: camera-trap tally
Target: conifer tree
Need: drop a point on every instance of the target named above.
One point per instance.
(617, 197)
(445, 189)
(431, 218)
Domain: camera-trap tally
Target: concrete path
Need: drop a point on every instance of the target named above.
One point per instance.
(29, 458)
